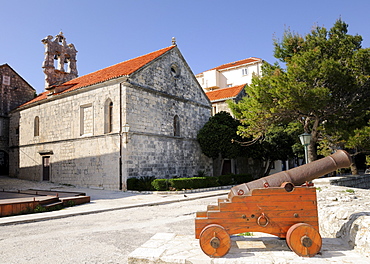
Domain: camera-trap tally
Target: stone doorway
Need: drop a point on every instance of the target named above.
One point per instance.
(4, 165)
(46, 168)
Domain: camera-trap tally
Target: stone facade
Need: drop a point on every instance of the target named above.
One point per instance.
(14, 91)
(81, 140)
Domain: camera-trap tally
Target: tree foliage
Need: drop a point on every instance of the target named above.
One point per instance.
(324, 82)
(215, 138)
(218, 138)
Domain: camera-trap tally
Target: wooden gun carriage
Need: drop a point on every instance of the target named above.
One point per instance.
(276, 204)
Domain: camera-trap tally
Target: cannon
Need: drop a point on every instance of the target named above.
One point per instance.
(283, 204)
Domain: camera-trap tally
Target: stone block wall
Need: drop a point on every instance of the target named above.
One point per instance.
(88, 159)
(357, 181)
(344, 213)
(14, 91)
(155, 96)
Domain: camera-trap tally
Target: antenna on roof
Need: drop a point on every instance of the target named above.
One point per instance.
(174, 41)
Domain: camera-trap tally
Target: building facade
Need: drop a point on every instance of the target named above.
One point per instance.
(14, 91)
(230, 74)
(227, 81)
(133, 119)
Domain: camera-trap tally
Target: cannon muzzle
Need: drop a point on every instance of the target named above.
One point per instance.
(298, 175)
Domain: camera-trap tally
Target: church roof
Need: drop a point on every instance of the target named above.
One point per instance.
(234, 64)
(118, 70)
(224, 93)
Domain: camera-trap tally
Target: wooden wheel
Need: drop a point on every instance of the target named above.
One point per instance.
(215, 241)
(304, 240)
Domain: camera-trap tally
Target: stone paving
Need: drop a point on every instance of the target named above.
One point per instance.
(344, 215)
(260, 248)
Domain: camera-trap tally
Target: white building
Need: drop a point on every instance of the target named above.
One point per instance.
(230, 74)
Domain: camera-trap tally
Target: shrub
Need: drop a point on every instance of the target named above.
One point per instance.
(150, 183)
(160, 184)
(242, 178)
(140, 184)
(193, 183)
(132, 183)
(224, 180)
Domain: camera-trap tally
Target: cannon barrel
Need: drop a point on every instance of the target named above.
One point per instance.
(298, 175)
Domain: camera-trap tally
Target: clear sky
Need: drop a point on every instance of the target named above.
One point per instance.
(208, 32)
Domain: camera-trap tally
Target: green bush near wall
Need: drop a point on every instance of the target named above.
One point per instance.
(160, 184)
(140, 184)
(151, 184)
(242, 178)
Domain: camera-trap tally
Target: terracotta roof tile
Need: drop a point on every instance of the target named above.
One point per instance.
(115, 71)
(225, 93)
(234, 64)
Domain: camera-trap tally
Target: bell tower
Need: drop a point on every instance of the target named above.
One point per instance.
(60, 61)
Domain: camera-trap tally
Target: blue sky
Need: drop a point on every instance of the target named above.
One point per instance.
(208, 32)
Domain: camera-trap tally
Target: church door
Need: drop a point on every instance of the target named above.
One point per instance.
(4, 169)
(46, 168)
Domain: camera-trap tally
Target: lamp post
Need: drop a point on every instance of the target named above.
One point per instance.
(126, 129)
(305, 140)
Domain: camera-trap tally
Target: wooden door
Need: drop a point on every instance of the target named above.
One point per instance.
(46, 168)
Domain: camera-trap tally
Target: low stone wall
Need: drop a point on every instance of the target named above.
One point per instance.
(344, 212)
(357, 181)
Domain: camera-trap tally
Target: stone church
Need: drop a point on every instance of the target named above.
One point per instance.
(137, 118)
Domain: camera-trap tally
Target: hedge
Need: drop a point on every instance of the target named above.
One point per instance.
(150, 183)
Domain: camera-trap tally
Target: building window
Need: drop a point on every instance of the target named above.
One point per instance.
(6, 80)
(244, 71)
(36, 127)
(86, 120)
(175, 70)
(214, 110)
(229, 85)
(176, 126)
(108, 116)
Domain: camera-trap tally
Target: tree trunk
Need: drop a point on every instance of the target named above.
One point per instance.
(268, 167)
(312, 152)
(354, 170)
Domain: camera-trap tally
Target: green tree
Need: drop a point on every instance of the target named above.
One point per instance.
(216, 137)
(355, 137)
(325, 81)
(276, 145)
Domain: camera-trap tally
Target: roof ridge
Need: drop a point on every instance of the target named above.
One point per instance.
(117, 70)
(232, 87)
(122, 62)
(231, 63)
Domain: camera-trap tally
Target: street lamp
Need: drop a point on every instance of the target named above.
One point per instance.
(305, 140)
(126, 129)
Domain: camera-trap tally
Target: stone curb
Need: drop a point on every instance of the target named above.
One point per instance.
(183, 191)
(31, 218)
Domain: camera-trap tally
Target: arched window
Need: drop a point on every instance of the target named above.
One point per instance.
(108, 116)
(176, 126)
(36, 127)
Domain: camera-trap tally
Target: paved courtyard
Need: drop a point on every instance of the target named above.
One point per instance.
(118, 227)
